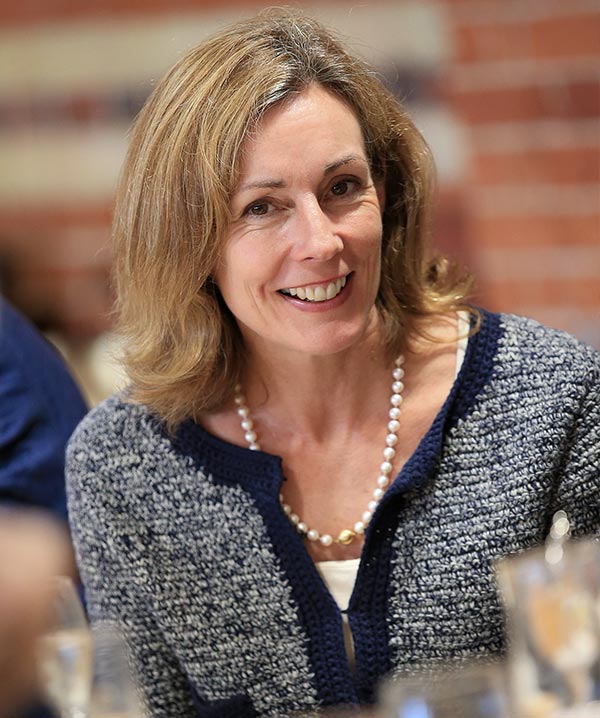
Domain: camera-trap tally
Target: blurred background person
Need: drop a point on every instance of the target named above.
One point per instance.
(40, 406)
(32, 550)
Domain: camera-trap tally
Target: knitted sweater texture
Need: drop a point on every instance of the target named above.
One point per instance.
(183, 541)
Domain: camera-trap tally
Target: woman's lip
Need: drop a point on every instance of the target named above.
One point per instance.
(321, 283)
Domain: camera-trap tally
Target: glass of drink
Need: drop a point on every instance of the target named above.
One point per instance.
(65, 653)
(114, 693)
(552, 597)
(472, 691)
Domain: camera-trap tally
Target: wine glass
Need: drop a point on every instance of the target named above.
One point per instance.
(472, 691)
(65, 653)
(552, 594)
(114, 693)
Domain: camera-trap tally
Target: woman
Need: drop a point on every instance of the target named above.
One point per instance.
(310, 414)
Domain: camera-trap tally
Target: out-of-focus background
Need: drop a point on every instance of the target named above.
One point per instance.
(506, 91)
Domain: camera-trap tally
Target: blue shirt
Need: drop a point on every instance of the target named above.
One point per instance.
(40, 406)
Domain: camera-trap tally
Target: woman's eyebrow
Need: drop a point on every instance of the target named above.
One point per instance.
(262, 184)
(344, 161)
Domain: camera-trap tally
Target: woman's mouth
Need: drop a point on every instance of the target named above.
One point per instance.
(318, 292)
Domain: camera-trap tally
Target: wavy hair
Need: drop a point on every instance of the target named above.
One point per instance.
(183, 349)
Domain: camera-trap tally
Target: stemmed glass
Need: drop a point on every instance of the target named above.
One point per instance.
(474, 691)
(114, 693)
(552, 596)
(65, 653)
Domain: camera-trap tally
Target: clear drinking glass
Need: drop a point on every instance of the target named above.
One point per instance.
(114, 692)
(474, 691)
(552, 597)
(65, 653)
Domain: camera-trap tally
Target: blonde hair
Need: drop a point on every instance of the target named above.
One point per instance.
(184, 352)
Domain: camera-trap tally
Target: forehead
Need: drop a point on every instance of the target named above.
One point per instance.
(314, 125)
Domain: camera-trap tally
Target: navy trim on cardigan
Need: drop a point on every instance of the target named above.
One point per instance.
(260, 474)
(370, 596)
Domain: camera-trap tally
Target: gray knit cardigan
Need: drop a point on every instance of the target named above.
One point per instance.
(183, 541)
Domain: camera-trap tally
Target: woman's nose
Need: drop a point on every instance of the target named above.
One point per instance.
(315, 236)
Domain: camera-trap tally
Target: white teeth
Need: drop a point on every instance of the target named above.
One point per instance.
(318, 293)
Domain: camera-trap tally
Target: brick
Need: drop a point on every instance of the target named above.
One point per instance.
(36, 11)
(551, 37)
(536, 264)
(39, 218)
(521, 199)
(75, 303)
(519, 295)
(554, 165)
(535, 231)
(569, 100)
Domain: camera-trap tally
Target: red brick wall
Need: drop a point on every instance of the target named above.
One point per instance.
(523, 80)
(526, 83)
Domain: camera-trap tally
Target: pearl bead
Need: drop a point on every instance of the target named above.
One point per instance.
(359, 527)
(254, 447)
(247, 424)
(386, 467)
(295, 519)
(389, 453)
(366, 517)
(302, 528)
(398, 373)
(243, 411)
(383, 481)
(396, 399)
(377, 494)
(312, 535)
(287, 509)
(397, 387)
(399, 360)
(391, 439)
(372, 505)
(239, 399)
(326, 540)
(393, 426)
(395, 413)
(250, 437)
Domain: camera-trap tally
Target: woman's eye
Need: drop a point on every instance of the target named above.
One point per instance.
(257, 209)
(343, 187)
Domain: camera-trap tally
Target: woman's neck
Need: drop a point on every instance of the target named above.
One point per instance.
(316, 395)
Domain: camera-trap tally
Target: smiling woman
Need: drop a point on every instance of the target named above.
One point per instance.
(183, 176)
(323, 448)
(306, 242)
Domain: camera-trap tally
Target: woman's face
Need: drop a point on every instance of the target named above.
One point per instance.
(301, 263)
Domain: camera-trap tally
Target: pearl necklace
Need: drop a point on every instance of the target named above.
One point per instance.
(346, 536)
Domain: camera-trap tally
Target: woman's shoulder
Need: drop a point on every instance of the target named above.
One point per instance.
(116, 421)
(529, 345)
